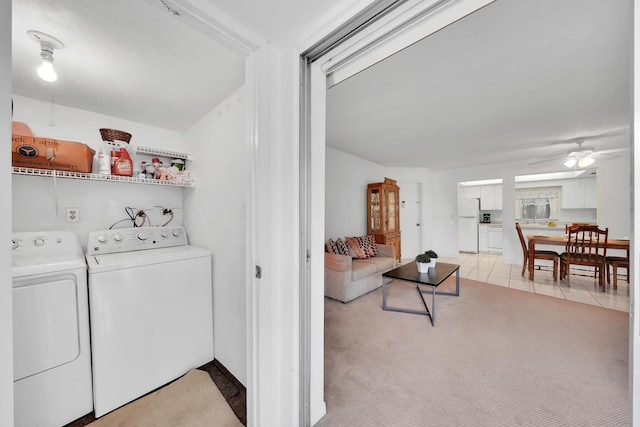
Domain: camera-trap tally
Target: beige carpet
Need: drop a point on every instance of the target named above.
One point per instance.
(496, 357)
(191, 401)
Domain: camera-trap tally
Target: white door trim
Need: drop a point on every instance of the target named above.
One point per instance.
(634, 254)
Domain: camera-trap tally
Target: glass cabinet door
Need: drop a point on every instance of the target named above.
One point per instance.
(374, 215)
(392, 203)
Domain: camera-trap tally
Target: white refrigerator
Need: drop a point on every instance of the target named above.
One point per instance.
(468, 220)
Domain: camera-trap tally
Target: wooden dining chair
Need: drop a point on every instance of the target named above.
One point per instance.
(616, 262)
(568, 227)
(546, 255)
(586, 246)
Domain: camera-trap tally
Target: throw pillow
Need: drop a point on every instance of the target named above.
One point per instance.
(370, 245)
(331, 246)
(356, 250)
(343, 249)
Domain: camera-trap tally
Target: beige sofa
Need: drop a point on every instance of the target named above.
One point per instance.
(346, 279)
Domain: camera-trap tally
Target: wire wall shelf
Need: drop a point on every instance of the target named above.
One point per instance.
(97, 177)
(161, 153)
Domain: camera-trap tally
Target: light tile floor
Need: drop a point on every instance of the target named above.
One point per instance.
(584, 288)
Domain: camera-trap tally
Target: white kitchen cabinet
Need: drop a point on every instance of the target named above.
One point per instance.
(483, 238)
(579, 193)
(471, 192)
(494, 239)
(491, 197)
(497, 194)
(590, 193)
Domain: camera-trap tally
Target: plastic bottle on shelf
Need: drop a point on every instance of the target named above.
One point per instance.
(114, 156)
(104, 161)
(123, 166)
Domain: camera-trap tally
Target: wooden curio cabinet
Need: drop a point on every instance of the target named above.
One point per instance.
(383, 211)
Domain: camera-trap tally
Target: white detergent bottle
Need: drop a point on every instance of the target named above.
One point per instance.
(104, 161)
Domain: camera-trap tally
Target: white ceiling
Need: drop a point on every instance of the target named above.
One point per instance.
(510, 82)
(499, 85)
(128, 59)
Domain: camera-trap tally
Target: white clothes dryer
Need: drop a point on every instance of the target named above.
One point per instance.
(51, 348)
(150, 298)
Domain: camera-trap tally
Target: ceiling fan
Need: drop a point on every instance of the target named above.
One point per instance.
(582, 156)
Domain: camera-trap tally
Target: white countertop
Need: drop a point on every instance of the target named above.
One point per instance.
(532, 226)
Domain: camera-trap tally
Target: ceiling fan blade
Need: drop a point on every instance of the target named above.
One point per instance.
(557, 159)
(590, 137)
(605, 156)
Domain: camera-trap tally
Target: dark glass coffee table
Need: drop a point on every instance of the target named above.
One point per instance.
(435, 277)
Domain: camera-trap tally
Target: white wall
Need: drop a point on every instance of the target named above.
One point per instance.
(215, 214)
(39, 203)
(346, 182)
(73, 124)
(6, 314)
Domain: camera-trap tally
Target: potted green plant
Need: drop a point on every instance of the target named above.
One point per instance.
(426, 260)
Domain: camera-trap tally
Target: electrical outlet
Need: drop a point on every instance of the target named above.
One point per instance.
(73, 215)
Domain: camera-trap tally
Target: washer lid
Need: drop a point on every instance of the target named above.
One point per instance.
(123, 260)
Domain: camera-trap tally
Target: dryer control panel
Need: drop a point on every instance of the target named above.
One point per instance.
(134, 239)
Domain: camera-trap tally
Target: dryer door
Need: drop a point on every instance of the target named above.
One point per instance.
(45, 324)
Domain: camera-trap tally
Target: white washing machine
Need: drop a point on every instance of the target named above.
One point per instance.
(151, 308)
(51, 348)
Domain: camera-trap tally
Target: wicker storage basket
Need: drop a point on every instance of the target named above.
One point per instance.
(115, 135)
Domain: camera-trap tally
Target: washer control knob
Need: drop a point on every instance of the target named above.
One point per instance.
(164, 234)
(176, 232)
(142, 236)
(14, 244)
(102, 238)
(39, 241)
(117, 237)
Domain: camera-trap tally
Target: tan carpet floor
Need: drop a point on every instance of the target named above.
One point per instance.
(496, 357)
(191, 401)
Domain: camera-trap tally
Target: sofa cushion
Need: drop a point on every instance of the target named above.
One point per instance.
(331, 246)
(343, 249)
(361, 268)
(381, 263)
(370, 245)
(357, 251)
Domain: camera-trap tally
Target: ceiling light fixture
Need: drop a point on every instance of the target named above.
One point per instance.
(585, 161)
(581, 156)
(47, 45)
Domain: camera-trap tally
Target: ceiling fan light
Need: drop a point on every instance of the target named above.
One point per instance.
(570, 162)
(585, 161)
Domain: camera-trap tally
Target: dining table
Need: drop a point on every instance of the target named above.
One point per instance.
(561, 240)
